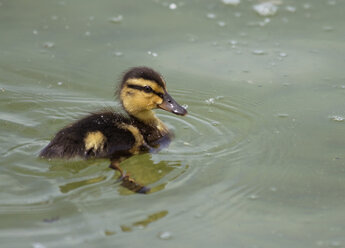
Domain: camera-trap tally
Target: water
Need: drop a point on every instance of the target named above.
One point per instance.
(258, 162)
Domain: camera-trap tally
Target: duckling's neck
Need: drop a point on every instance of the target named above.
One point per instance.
(149, 118)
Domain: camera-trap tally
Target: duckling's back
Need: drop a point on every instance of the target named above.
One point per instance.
(99, 135)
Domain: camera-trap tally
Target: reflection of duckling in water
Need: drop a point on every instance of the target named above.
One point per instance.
(119, 136)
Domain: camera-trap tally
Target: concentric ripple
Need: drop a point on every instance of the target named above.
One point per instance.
(216, 126)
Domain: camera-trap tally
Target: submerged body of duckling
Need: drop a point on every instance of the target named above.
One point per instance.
(119, 136)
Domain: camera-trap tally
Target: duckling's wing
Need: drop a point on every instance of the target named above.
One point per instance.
(96, 136)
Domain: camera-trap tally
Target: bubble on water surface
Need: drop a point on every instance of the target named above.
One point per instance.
(337, 118)
(35, 32)
(253, 197)
(258, 52)
(38, 245)
(231, 2)
(264, 22)
(210, 100)
(172, 6)
(265, 9)
(118, 54)
(59, 83)
(290, 8)
(154, 54)
(48, 44)
(165, 235)
(116, 19)
(215, 123)
(211, 15)
(282, 54)
(233, 42)
(221, 24)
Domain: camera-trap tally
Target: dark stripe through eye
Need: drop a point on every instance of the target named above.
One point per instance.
(146, 89)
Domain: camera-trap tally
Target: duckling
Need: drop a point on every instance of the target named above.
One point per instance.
(118, 136)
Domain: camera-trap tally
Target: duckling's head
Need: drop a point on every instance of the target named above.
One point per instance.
(143, 89)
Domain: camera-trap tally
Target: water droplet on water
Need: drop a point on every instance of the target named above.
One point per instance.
(59, 83)
(118, 54)
(116, 19)
(210, 101)
(282, 54)
(337, 118)
(48, 44)
(221, 24)
(231, 2)
(265, 9)
(290, 8)
(152, 53)
(253, 197)
(215, 123)
(172, 6)
(211, 15)
(258, 52)
(185, 106)
(38, 245)
(165, 235)
(35, 31)
(264, 22)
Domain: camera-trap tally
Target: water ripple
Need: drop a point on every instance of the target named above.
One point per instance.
(216, 126)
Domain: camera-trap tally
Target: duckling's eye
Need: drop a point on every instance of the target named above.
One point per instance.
(160, 95)
(148, 89)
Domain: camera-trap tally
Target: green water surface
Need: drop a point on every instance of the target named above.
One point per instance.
(259, 161)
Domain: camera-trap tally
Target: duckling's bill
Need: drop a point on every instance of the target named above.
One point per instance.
(169, 104)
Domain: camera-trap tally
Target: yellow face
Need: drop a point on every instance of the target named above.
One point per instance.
(140, 95)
